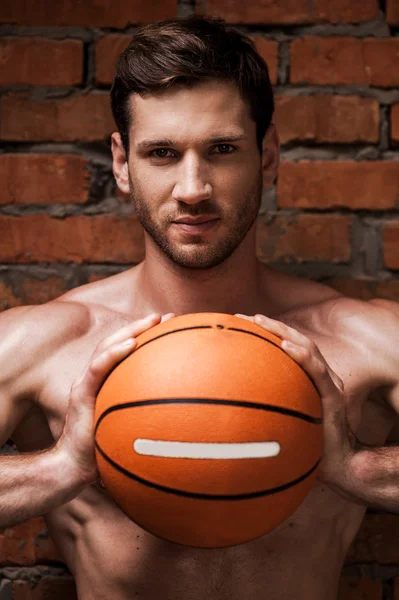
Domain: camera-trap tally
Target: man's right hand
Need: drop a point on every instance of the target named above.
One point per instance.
(76, 443)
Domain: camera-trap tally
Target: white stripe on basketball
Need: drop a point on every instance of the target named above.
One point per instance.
(213, 450)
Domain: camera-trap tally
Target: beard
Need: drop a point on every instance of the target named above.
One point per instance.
(200, 254)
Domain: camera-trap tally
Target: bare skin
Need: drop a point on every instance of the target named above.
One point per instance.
(110, 556)
(47, 380)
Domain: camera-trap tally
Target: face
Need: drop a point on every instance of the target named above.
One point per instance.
(194, 157)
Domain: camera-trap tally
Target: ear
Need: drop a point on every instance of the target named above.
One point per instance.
(270, 155)
(119, 163)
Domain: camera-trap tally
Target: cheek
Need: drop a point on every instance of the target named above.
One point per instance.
(152, 184)
(146, 187)
(235, 182)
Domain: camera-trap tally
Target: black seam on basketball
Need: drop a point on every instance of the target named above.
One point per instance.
(199, 496)
(161, 335)
(206, 327)
(254, 334)
(227, 329)
(274, 344)
(243, 403)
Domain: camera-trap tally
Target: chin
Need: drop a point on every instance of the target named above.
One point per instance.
(198, 254)
(197, 260)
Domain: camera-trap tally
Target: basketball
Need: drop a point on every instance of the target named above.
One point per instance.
(208, 435)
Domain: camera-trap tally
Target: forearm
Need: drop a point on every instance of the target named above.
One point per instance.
(375, 473)
(33, 484)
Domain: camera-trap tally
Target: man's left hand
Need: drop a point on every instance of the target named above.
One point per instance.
(340, 446)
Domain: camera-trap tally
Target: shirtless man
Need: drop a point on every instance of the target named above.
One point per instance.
(190, 154)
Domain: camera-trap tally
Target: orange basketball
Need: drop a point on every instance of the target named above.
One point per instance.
(208, 434)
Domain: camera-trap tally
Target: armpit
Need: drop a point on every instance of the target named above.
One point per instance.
(33, 432)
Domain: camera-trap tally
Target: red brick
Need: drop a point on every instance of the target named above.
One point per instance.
(323, 184)
(359, 588)
(391, 245)
(97, 277)
(30, 290)
(304, 238)
(97, 239)
(376, 541)
(91, 13)
(395, 123)
(27, 544)
(8, 299)
(48, 588)
(41, 62)
(108, 50)
(291, 11)
(80, 117)
(39, 291)
(269, 52)
(324, 61)
(43, 179)
(327, 118)
(342, 11)
(365, 289)
(392, 12)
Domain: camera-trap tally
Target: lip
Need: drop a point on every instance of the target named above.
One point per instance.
(195, 220)
(197, 228)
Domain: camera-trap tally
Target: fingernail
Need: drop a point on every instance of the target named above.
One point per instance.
(128, 343)
(289, 345)
(260, 317)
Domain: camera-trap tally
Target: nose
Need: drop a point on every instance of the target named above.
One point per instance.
(193, 184)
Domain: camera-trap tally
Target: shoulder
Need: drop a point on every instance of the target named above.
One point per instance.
(372, 329)
(368, 318)
(30, 334)
(40, 323)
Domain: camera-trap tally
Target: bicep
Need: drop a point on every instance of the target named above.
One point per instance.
(14, 369)
(28, 336)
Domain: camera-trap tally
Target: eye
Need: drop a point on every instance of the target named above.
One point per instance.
(225, 149)
(159, 153)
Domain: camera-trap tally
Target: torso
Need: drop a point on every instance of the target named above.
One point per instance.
(112, 557)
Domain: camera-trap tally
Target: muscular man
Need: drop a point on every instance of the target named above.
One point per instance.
(193, 106)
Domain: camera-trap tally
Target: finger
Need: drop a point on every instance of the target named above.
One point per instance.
(89, 383)
(334, 413)
(292, 335)
(123, 338)
(317, 369)
(167, 317)
(246, 317)
(127, 331)
(282, 330)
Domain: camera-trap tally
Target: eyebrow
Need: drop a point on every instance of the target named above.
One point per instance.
(215, 140)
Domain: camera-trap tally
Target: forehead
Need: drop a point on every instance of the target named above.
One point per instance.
(210, 107)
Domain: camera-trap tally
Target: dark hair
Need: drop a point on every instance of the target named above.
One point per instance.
(185, 52)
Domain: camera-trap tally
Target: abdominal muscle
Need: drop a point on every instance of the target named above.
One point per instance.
(112, 557)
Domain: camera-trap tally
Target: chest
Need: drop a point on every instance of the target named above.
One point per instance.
(317, 516)
(367, 414)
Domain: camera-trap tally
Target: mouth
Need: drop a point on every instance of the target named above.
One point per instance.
(196, 226)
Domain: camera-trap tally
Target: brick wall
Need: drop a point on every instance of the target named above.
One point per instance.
(332, 216)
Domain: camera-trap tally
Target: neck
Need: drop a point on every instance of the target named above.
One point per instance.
(235, 286)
